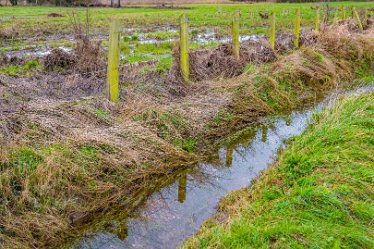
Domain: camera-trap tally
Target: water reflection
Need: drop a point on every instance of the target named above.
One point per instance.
(165, 221)
(265, 129)
(229, 153)
(182, 187)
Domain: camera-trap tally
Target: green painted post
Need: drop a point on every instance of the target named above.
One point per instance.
(235, 35)
(297, 27)
(335, 20)
(344, 15)
(113, 61)
(357, 17)
(272, 31)
(365, 21)
(183, 45)
(318, 20)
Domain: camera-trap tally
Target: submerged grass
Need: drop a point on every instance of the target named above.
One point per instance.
(318, 195)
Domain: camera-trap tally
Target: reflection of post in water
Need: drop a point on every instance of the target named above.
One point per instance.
(288, 120)
(182, 187)
(229, 152)
(265, 130)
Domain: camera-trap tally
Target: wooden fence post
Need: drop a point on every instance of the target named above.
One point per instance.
(113, 61)
(297, 27)
(235, 35)
(272, 30)
(365, 21)
(183, 46)
(357, 17)
(318, 19)
(344, 16)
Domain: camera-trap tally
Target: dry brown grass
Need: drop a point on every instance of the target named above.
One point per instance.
(68, 155)
(86, 58)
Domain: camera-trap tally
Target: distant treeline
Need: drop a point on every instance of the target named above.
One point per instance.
(117, 3)
(114, 3)
(299, 1)
(309, 1)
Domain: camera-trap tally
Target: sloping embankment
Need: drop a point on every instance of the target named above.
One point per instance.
(66, 159)
(318, 195)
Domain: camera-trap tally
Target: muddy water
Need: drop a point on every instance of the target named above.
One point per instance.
(175, 212)
(41, 46)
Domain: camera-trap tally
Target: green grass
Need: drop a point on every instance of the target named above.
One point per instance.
(162, 35)
(27, 68)
(29, 21)
(318, 195)
(34, 19)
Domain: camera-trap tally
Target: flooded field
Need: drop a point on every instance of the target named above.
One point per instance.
(137, 44)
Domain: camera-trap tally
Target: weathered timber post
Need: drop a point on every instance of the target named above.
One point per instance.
(357, 17)
(272, 30)
(113, 61)
(318, 19)
(183, 46)
(297, 27)
(344, 15)
(235, 35)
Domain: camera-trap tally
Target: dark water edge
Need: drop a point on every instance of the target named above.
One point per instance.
(180, 204)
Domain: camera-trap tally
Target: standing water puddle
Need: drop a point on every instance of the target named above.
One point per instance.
(176, 212)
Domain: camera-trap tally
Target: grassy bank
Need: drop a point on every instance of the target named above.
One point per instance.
(68, 157)
(318, 195)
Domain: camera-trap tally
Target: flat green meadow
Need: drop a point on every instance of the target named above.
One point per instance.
(31, 20)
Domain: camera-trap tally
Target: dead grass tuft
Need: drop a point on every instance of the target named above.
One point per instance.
(89, 56)
(58, 58)
(219, 62)
(9, 33)
(86, 58)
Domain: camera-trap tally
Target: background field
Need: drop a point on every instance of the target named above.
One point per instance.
(31, 21)
(148, 31)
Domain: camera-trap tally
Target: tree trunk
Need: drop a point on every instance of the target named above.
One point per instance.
(119, 3)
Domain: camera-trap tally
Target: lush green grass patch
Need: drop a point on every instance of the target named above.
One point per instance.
(318, 195)
(27, 68)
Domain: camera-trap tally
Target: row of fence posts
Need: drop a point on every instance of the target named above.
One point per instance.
(114, 40)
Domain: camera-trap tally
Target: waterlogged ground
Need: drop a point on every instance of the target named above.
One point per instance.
(176, 211)
(137, 44)
(148, 33)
